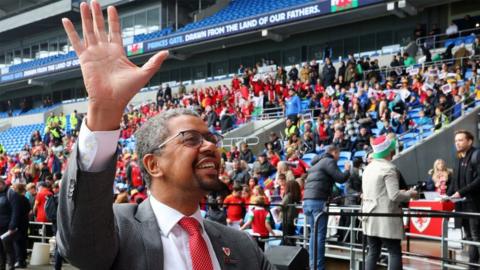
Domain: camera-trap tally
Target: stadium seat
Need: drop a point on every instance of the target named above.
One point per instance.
(409, 136)
(13, 139)
(308, 157)
(376, 131)
(409, 143)
(345, 155)
(240, 9)
(426, 134)
(360, 154)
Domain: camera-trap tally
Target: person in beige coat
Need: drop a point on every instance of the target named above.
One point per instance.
(381, 194)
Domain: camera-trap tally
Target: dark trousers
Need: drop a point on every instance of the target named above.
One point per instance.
(20, 245)
(293, 118)
(57, 257)
(394, 248)
(471, 228)
(58, 260)
(288, 230)
(7, 256)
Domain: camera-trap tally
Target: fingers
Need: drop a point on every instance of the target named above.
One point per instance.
(98, 22)
(154, 63)
(115, 34)
(87, 25)
(73, 36)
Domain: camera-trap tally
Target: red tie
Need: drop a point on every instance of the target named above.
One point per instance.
(198, 247)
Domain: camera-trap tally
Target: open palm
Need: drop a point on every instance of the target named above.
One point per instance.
(111, 80)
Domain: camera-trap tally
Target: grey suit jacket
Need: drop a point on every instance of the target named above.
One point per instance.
(94, 235)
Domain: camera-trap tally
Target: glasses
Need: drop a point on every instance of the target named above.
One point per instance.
(193, 138)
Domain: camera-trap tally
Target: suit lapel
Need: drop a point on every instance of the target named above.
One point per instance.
(223, 250)
(149, 229)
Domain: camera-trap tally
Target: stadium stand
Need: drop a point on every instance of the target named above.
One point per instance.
(240, 9)
(412, 99)
(15, 138)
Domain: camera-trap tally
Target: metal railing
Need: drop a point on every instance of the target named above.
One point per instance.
(41, 227)
(439, 39)
(352, 231)
(386, 70)
(229, 142)
(444, 261)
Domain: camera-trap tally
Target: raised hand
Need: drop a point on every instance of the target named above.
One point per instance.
(111, 80)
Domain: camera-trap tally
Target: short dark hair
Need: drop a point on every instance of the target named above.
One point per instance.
(357, 162)
(237, 188)
(468, 134)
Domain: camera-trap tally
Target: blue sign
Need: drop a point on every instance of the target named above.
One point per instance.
(244, 25)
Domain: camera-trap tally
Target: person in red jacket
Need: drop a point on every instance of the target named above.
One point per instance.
(259, 219)
(298, 166)
(236, 209)
(235, 82)
(40, 199)
(134, 176)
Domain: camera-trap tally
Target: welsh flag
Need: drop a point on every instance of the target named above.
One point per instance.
(268, 183)
(340, 5)
(134, 49)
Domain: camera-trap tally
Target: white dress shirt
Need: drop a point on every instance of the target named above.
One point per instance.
(95, 152)
(175, 240)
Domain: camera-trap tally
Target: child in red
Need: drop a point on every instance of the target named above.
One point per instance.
(235, 211)
(259, 218)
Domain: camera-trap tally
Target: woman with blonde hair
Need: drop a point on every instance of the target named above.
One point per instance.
(439, 177)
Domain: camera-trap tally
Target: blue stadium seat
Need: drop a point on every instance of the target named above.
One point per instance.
(376, 131)
(426, 134)
(345, 155)
(409, 136)
(409, 143)
(308, 158)
(360, 154)
(426, 127)
(16, 137)
(242, 8)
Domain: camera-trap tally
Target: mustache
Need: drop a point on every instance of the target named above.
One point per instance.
(207, 154)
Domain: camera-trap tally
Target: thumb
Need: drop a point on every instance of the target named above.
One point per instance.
(154, 63)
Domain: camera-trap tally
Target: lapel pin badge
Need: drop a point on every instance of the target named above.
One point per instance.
(226, 250)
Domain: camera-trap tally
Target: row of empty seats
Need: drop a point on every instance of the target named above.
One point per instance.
(13, 139)
(42, 62)
(152, 35)
(460, 40)
(238, 9)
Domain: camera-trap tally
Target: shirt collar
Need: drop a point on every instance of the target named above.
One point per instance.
(168, 217)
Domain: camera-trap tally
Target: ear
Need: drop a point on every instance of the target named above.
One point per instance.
(152, 166)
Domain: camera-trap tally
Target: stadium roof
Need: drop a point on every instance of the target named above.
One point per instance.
(8, 7)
